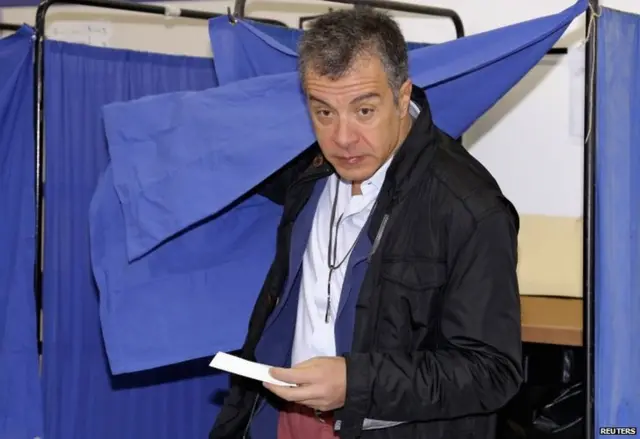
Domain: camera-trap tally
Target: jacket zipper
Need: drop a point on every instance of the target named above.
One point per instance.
(251, 415)
(376, 244)
(376, 241)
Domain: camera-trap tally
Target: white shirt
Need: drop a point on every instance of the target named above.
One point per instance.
(313, 336)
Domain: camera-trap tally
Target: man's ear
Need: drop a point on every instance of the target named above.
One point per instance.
(404, 98)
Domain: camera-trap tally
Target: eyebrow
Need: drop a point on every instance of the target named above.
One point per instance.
(360, 98)
(366, 96)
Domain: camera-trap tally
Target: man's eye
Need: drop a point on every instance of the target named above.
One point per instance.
(323, 113)
(366, 112)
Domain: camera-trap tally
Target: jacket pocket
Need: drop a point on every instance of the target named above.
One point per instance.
(410, 303)
(418, 274)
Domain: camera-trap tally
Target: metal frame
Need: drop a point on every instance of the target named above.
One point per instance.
(9, 27)
(240, 8)
(589, 218)
(304, 19)
(391, 5)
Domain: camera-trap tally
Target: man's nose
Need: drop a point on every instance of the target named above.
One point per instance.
(345, 135)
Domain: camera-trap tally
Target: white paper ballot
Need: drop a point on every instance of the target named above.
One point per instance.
(239, 366)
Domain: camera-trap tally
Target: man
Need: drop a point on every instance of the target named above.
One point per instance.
(392, 302)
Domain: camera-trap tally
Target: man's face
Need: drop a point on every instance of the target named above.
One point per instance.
(356, 121)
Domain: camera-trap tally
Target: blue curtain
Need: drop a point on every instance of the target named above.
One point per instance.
(617, 273)
(273, 49)
(170, 153)
(81, 398)
(450, 72)
(20, 392)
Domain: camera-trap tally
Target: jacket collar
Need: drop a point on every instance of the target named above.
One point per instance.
(418, 146)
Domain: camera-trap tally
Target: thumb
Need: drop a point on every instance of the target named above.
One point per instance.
(292, 376)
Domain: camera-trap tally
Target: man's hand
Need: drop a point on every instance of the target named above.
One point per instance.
(321, 381)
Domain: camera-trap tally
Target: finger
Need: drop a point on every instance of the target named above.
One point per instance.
(306, 363)
(295, 394)
(293, 376)
(314, 362)
(315, 404)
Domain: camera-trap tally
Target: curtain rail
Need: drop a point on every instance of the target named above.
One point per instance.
(589, 217)
(410, 7)
(9, 26)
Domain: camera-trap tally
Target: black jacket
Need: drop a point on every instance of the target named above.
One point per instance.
(437, 338)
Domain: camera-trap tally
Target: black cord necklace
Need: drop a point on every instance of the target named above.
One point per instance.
(332, 248)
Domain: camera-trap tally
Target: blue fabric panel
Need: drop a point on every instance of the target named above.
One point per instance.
(20, 391)
(260, 49)
(206, 266)
(450, 71)
(165, 146)
(180, 158)
(237, 246)
(413, 45)
(82, 399)
(177, 157)
(617, 287)
(247, 50)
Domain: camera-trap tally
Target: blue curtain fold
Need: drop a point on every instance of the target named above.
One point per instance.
(81, 398)
(463, 78)
(259, 49)
(202, 284)
(169, 151)
(461, 88)
(210, 266)
(617, 287)
(20, 391)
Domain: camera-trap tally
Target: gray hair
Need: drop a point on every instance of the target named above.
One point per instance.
(338, 38)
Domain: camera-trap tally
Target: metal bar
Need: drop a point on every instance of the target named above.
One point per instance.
(269, 21)
(558, 51)
(413, 8)
(41, 13)
(303, 20)
(239, 8)
(589, 218)
(9, 26)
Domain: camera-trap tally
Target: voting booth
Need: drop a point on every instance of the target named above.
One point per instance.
(121, 176)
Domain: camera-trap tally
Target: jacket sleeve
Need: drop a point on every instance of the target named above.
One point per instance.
(478, 369)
